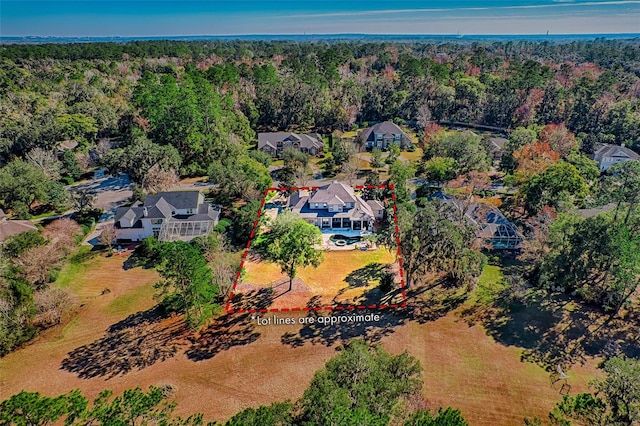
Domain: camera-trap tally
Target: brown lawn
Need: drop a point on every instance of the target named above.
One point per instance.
(343, 277)
(236, 364)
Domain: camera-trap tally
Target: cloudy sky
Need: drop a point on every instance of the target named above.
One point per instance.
(233, 17)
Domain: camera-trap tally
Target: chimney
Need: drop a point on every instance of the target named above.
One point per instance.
(145, 212)
(622, 145)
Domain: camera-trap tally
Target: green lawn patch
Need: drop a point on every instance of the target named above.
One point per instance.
(76, 265)
(129, 301)
(490, 285)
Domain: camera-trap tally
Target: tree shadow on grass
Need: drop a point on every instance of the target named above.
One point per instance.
(152, 336)
(424, 304)
(223, 334)
(554, 329)
(137, 342)
(363, 276)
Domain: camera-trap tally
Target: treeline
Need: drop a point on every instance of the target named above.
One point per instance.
(57, 92)
(384, 390)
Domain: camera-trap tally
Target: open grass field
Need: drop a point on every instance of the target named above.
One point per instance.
(235, 363)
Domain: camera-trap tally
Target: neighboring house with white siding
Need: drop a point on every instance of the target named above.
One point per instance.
(608, 155)
(169, 216)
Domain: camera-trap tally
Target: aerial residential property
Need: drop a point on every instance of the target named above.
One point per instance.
(335, 206)
(608, 155)
(382, 135)
(320, 212)
(276, 142)
(169, 216)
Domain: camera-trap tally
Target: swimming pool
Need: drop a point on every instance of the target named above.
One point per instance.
(348, 240)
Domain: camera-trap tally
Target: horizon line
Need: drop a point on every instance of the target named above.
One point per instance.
(326, 34)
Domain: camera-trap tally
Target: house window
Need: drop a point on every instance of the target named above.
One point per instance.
(156, 221)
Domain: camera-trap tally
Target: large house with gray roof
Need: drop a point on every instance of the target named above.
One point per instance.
(336, 207)
(275, 142)
(169, 216)
(608, 155)
(382, 135)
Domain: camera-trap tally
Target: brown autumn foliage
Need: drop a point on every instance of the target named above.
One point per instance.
(559, 138)
(533, 159)
(157, 179)
(62, 234)
(430, 133)
(36, 263)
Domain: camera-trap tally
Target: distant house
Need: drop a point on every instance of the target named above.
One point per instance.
(496, 148)
(276, 142)
(10, 227)
(336, 207)
(169, 216)
(494, 230)
(608, 155)
(382, 135)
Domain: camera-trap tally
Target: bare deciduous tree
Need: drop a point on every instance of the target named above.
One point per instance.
(350, 170)
(423, 116)
(157, 179)
(108, 235)
(46, 161)
(62, 234)
(35, 264)
(51, 305)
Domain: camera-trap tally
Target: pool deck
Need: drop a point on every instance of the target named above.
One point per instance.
(327, 244)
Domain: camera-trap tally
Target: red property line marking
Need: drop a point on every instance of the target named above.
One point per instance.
(402, 304)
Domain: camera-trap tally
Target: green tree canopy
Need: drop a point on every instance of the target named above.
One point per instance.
(21, 185)
(440, 169)
(561, 185)
(465, 148)
(362, 385)
(139, 156)
(187, 282)
(290, 243)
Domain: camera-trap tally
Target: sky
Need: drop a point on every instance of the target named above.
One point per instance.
(129, 18)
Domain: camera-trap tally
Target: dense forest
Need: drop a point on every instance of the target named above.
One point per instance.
(57, 92)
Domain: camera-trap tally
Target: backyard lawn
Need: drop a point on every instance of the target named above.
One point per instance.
(344, 277)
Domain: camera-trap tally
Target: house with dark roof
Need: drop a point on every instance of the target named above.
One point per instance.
(275, 142)
(336, 207)
(382, 135)
(608, 155)
(169, 216)
(9, 227)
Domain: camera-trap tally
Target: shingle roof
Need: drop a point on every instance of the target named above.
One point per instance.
(328, 193)
(375, 204)
(386, 128)
(306, 140)
(614, 151)
(12, 227)
(177, 199)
